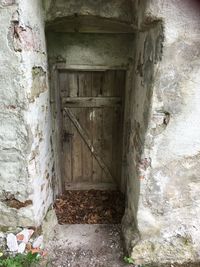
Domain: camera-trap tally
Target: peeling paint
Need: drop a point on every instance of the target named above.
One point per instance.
(39, 83)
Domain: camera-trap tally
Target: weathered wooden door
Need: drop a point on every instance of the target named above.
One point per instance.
(92, 112)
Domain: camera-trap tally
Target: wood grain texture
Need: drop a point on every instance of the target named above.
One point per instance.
(88, 142)
(92, 113)
(94, 102)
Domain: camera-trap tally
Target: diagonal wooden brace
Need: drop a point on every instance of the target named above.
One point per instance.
(88, 141)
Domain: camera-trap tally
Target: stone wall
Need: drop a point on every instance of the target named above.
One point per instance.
(168, 208)
(148, 53)
(25, 129)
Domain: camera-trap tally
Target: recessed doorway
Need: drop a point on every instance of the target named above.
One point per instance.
(91, 79)
(91, 105)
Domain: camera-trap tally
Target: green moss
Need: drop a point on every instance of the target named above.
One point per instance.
(4, 229)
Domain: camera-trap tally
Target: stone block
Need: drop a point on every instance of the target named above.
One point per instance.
(48, 225)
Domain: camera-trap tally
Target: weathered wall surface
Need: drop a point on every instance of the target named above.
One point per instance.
(90, 49)
(120, 9)
(25, 150)
(169, 200)
(94, 16)
(148, 52)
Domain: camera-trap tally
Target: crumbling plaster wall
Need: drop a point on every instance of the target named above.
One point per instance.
(148, 53)
(25, 129)
(168, 210)
(81, 49)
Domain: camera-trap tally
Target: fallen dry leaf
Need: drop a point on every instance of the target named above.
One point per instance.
(35, 250)
(28, 246)
(90, 207)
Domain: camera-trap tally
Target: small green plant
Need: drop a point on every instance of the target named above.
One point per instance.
(129, 260)
(20, 260)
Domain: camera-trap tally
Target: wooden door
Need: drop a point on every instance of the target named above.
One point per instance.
(92, 112)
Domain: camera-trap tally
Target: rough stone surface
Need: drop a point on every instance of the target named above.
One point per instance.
(25, 158)
(48, 226)
(138, 104)
(168, 200)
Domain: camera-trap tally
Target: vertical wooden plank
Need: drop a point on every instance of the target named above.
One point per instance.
(107, 123)
(87, 155)
(117, 142)
(120, 82)
(63, 83)
(108, 88)
(67, 85)
(76, 151)
(97, 142)
(97, 83)
(107, 141)
(76, 162)
(57, 117)
(97, 118)
(67, 149)
(118, 124)
(85, 83)
(85, 89)
(72, 84)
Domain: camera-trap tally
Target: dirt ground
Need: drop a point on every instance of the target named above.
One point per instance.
(87, 245)
(84, 245)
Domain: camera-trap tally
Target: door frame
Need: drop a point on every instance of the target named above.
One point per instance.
(56, 116)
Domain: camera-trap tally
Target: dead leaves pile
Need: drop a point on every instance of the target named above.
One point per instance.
(90, 207)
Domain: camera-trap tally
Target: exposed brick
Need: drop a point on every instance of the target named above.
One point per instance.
(24, 38)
